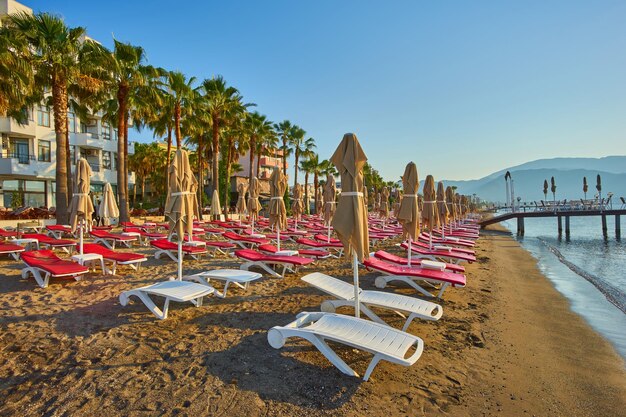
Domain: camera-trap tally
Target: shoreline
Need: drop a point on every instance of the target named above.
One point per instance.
(507, 344)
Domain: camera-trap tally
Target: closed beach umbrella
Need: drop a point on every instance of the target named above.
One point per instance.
(450, 203)
(442, 208)
(278, 211)
(241, 199)
(599, 188)
(350, 219)
(384, 203)
(366, 196)
(253, 200)
(545, 189)
(297, 206)
(430, 218)
(108, 207)
(553, 189)
(319, 201)
(396, 204)
(330, 189)
(585, 187)
(181, 206)
(81, 206)
(408, 215)
(215, 205)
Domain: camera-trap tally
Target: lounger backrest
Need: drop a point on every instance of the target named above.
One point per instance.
(330, 285)
(95, 248)
(39, 255)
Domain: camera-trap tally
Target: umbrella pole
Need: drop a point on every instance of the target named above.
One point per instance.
(328, 232)
(82, 226)
(180, 260)
(409, 250)
(355, 270)
(278, 236)
(430, 239)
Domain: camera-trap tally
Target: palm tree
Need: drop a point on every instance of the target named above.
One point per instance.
(256, 126)
(222, 101)
(53, 53)
(308, 167)
(182, 92)
(235, 144)
(132, 86)
(300, 146)
(285, 130)
(17, 79)
(267, 144)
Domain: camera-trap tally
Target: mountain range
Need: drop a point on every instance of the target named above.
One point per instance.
(568, 174)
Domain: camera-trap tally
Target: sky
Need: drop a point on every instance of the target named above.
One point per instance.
(461, 88)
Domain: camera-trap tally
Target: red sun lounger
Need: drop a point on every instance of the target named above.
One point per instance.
(307, 253)
(409, 275)
(448, 256)
(11, 250)
(110, 239)
(244, 241)
(45, 264)
(52, 243)
(264, 261)
(4, 234)
(170, 249)
(416, 262)
(424, 244)
(58, 230)
(336, 247)
(133, 260)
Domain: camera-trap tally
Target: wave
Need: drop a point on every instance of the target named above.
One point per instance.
(614, 295)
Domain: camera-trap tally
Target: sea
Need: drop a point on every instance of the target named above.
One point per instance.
(588, 269)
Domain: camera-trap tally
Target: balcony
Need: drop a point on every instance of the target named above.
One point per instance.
(26, 166)
(10, 126)
(86, 140)
(268, 161)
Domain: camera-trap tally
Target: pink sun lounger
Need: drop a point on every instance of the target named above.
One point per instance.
(416, 262)
(409, 275)
(45, 264)
(257, 259)
(52, 243)
(133, 260)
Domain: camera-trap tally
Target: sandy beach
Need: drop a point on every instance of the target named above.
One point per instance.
(507, 344)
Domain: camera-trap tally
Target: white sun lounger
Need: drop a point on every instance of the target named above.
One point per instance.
(237, 277)
(180, 291)
(383, 341)
(400, 304)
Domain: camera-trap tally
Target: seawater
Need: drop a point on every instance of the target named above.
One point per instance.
(588, 269)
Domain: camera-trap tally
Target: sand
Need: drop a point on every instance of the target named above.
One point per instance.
(508, 344)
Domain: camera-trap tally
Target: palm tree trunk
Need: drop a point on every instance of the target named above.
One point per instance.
(306, 193)
(252, 148)
(295, 168)
(200, 172)
(285, 155)
(59, 100)
(177, 124)
(169, 157)
(143, 189)
(122, 94)
(126, 193)
(258, 164)
(216, 156)
(70, 191)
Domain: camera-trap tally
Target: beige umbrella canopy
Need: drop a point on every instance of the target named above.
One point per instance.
(442, 207)
(241, 200)
(108, 206)
(396, 204)
(278, 211)
(330, 189)
(319, 201)
(253, 199)
(215, 205)
(350, 219)
(384, 202)
(366, 197)
(450, 203)
(181, 206)
(430, 217)
(297, 206)
(81, 206)
(408, 214)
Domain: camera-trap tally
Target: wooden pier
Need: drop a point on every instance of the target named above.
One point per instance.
(560, 214)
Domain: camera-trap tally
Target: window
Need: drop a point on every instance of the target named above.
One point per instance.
(43, 152)
(115, 134)
(83, 127)
(71, 122)
(115, 161)
(25, 192)
(106, 160)
(43, 116)
(73, 154)
(106, 131)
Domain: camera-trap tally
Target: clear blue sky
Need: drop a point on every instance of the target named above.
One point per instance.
(462, 88)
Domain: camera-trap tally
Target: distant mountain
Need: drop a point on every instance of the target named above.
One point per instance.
(568, 173)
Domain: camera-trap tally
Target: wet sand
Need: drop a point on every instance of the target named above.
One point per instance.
(507, 344)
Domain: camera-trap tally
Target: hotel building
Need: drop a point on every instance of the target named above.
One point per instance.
(28, 152)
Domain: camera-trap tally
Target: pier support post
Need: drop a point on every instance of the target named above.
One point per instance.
(604, 228)
(566, 227)
(520, 226)
(618, 228)
(560, 222)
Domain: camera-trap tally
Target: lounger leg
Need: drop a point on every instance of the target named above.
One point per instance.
(371, 367)
(329, 306)
(381, 282)
(330, 354)
(160, 314)
(443, 288)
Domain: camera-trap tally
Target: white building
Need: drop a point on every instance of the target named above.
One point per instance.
(28, 152)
